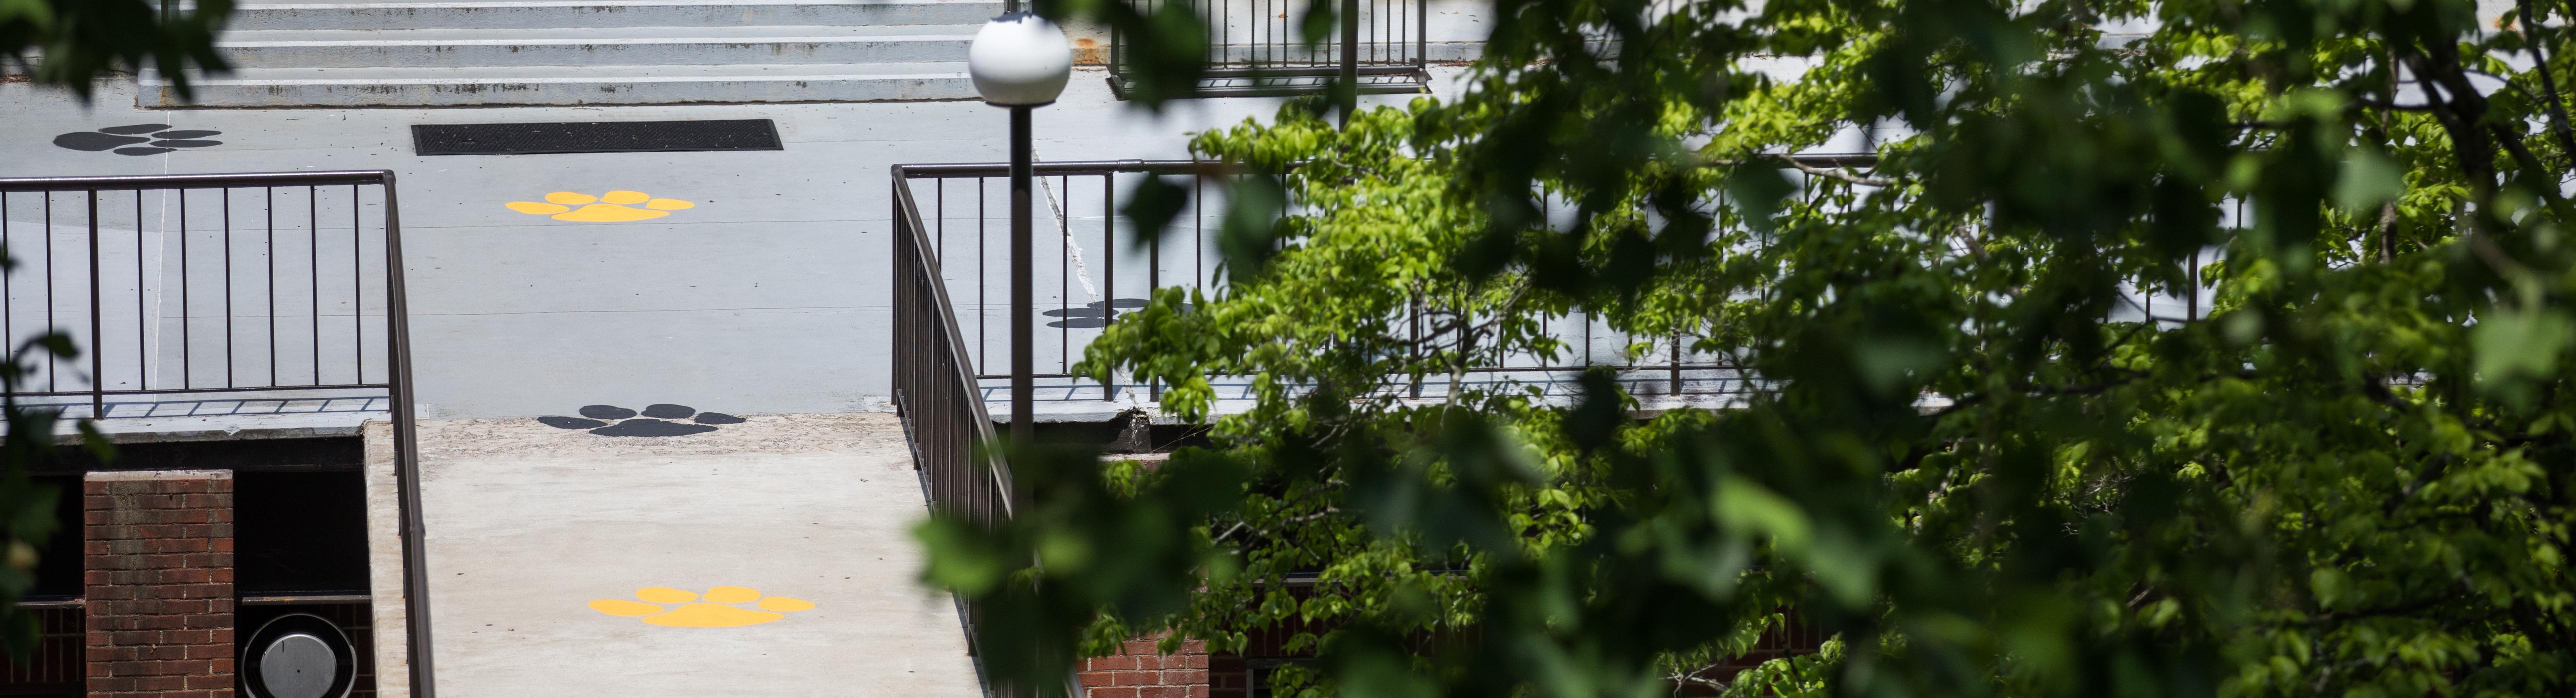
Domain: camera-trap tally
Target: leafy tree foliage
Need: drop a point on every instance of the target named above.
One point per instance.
(27, 510)
(2336, 459)
(27, 516)
(72, 43)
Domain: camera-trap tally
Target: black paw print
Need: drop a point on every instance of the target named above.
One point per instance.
(611, 420)
(161, 140)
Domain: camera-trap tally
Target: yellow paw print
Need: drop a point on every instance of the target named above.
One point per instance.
(712, 609)
(605, 208)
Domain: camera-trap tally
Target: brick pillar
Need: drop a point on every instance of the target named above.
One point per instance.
(1139, 671)
(159, 578)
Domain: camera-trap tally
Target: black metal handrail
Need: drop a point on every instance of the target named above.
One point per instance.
(944, 419)
(934, 383)
(1258, 48)
(250, 355)
(1082, 199)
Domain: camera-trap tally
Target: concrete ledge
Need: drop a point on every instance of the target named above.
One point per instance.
(107, 475)
(228, 427)
(391, 622)
(574, 85)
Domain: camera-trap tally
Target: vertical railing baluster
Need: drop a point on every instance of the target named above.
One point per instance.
(97, 327)
(53, 383)
(187, 351)
(8, 289)
(142, 350)
(228, 286)
(1349, 53)
(1063, 276)
(982, 307)
(1198, 231)
(1422, 41)
(1413, 341)
(313, 267)
(357, 291)
(1109, 270)
(1677, 363)
(1154, 282)
(269, 199)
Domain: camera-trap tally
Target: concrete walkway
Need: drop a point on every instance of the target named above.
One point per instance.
(554, 554)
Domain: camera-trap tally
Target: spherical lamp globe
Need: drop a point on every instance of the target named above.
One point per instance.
(1020, 60)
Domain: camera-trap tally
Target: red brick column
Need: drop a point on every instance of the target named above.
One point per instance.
(1139, 671)
(159, 578)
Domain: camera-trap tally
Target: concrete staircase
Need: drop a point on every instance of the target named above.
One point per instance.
(527, 52)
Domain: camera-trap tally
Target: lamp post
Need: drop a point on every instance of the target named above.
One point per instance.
(1020, 62)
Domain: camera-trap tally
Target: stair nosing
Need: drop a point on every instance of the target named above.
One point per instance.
(154, 80)
(587, 42)
(585, 81)
(583, 3)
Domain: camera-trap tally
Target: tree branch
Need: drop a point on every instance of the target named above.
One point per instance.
(2548, 84)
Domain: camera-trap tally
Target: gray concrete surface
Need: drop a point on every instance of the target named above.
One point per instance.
(529, 524)
(769, 297)
(390, 620)
(604, 52)
(564, 52)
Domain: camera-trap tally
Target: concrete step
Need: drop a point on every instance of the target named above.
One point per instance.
(625, 46)
(606, 14)
(569, 85)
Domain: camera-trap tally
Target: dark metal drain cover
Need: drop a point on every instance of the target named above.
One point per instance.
(595, 137)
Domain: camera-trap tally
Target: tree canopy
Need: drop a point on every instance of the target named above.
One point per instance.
(2335, 459)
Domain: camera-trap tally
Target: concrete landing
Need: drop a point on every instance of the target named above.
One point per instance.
(530, 524)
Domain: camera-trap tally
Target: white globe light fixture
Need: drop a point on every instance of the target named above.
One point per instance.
(1020, 60)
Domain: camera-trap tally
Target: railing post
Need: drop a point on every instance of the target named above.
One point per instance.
(1350, 60)
(1413, 340)
(1422, 40)
(1153, 282)
(1023, 348)
(1677, 363)
(1109, 268)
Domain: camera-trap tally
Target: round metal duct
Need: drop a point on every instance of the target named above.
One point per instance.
(298, 655)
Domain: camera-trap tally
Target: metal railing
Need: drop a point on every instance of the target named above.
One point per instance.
(261, 287)
(1100, 268)
(935, 386)
(944, 419)
(1257, 48)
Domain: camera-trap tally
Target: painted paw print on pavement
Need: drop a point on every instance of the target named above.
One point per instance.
(161, 139)
(611, 420)
(612, 207)
(713, 609)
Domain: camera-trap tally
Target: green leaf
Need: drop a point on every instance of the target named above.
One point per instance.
(2368, 179)
(2514, 345)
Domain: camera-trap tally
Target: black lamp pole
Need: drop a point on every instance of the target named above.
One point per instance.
(1023, 354)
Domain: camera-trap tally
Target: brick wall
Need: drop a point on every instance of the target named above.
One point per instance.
(1139, 671)
(159, 583)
